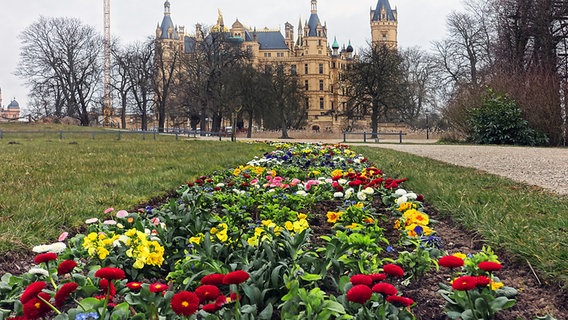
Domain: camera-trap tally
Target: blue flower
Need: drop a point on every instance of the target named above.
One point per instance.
(87, 316)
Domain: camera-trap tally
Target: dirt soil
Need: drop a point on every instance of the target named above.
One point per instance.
(538, 296)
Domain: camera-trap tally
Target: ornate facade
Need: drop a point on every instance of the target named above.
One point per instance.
(307, 53)
(11, 112)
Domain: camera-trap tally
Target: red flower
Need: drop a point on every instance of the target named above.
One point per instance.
(359, 294)
(45, 257)
(36, 308)
(378, 277)
(386, 289)
(400, 301)
(134, 286)
(236, 277)
(158, 287)
(482, 281)
(32, 291)
(489, 266)
(66, 266)
(110, 273)
(234, 296)
(464, 283)
(207, 292)
(393, 270)
(451, 262)
(361, 279)
(211, 308)
(184, 303)
(104, 283)
(64, 292)
(215, 279)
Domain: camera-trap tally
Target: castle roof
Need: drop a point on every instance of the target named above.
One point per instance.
(14, 105)
(167, 23)
(270, 40)
(383, 4)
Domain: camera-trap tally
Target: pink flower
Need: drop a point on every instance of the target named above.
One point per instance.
(109, 222)
(91, 221)
(155, 221)
(294, 182)
(63, 236)
(122, 214)
(109, 210)
(311, 183)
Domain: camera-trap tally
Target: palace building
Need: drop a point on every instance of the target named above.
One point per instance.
(11, 112)
(306, 50)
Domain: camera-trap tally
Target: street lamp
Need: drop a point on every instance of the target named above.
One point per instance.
(427, 112)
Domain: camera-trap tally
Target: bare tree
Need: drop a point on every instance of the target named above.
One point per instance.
(120, 81)
(375, 83)
(139, 57)
(62, 56)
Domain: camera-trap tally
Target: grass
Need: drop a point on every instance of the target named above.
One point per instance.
(48, 185)
(527, 221)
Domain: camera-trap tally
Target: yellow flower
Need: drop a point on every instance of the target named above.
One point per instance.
(102, 252)
(138, 264)
(352, 226)
(258, 231)
(368, 220)
(236, 172)
(459, 255)
(315, 173)
(289, 225)
(278, 230)
(496, 285)
(404, 206)
(359, 205)
(252, 241)
(302, 216)
(130, 233)
(222, 235)
(213, 230)
(268, 223)
(333, 216)
(300, 225)
(197, 239)
(337, 173)
(397, 224)
(419, 218)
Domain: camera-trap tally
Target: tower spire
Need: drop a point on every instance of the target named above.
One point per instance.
(314, 6)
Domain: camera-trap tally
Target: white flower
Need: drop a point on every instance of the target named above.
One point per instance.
(122, 214)
(338, 195)
(120, 225)
(39, 271)
(411, 196)
(401, 199)
(328, 180)
(301, 193)
(361, 196)
(109, 222)
(220, 185)
(357, 160)
(348, 193)
(400, 192)
(271, 190)
(342, 181)
(41, 248)
(369, 190)
(91, 221)
(57, 247)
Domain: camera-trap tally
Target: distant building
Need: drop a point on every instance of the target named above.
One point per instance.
(308, 54)
(11, 112)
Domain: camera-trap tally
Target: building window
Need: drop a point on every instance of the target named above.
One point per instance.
(321, 103)
(333, 65)
(306, 68)
(307, 101)
(321, 85)
(319, 42)
(267, 54)
(321, 68)
(280, 54)
(384, 37)
(306, 85)
(293, 70)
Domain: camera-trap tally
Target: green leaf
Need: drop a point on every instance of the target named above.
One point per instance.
(248, 308)
(310, 277)
(334, 306)
(501, 303)
(267, 312)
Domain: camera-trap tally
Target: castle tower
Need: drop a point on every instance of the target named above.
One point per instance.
(384, 24)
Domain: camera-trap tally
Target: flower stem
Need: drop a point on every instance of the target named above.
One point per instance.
(471, 305)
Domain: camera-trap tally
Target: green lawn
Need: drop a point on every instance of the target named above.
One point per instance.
(525, 220)
(48, 185)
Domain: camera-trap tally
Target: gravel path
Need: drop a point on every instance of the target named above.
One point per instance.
(544, 167)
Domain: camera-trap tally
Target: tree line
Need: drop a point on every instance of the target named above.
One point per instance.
(512, 48)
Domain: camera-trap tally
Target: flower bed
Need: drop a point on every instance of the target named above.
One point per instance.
(300, 233)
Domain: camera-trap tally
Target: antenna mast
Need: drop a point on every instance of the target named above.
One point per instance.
(107, 101)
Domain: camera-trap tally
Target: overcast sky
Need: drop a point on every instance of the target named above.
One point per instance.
(420, 22)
